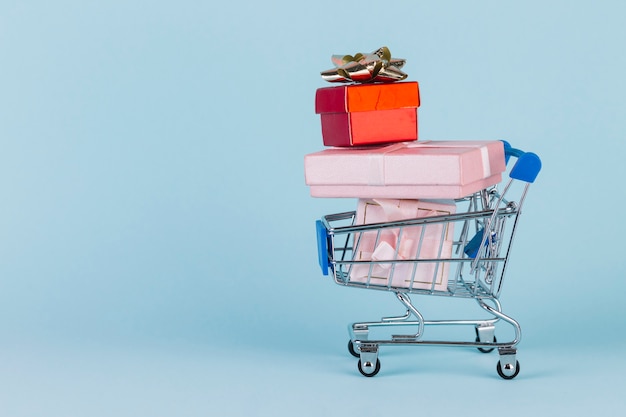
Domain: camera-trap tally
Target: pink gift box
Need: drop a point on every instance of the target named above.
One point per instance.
(407, 170)
(409, 243)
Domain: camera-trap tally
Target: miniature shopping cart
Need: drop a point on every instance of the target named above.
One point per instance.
(469, 261)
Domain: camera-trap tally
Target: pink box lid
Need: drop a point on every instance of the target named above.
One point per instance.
(434, 168)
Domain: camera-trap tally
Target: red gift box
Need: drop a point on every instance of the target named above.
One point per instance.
(368, 114)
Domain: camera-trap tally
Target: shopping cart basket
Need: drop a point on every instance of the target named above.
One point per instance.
(473, 261)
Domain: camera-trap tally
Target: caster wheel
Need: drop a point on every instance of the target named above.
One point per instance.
(505, 376)
(353, 351)
(486, 350)
(367, 369)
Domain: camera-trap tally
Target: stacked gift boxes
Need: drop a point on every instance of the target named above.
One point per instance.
(373, 154)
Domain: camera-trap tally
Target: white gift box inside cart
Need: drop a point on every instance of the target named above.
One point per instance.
(383, 248)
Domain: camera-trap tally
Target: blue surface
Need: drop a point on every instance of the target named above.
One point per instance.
(156, 249)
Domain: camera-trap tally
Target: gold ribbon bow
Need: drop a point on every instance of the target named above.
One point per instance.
(377, 66)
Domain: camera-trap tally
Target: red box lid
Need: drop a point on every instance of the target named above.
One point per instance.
(367, 97)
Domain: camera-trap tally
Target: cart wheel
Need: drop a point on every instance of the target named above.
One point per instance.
(368, 367)
(352, 351)
(486, 350)
(503, 376)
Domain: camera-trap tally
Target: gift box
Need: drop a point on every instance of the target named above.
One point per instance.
(411, 170)
(367, 114)
(386, 246)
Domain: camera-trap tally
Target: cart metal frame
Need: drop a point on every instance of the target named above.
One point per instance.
(485, 225)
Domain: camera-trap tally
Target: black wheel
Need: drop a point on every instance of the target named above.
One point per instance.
(351, 349)
(502, 375)
(376, 369)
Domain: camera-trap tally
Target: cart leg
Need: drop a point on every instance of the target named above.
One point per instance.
(508, 366)
(369, 364)
(404, 299)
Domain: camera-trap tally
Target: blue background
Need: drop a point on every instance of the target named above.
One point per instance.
(157, 250)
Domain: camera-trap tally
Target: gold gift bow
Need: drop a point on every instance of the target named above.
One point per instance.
(377, 66)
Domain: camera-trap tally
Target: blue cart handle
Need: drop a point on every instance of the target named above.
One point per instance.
(322, 246)
(526, 167)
